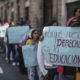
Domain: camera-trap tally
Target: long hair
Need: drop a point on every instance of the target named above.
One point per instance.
(33, 33)
(75, 10)
(50, 23)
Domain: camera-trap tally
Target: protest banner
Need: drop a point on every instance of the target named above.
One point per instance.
(15, 34)
(30, 55)
(2, 31)
(61, 45)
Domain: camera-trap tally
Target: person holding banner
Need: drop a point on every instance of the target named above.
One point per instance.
(11, 47)
(70, 72)
(31, 70)
(76, 17)
(22, 43)
(5, 26)
(49, 71)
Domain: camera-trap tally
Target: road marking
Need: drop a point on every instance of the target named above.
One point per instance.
(1, 70)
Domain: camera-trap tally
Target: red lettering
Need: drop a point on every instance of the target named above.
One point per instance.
(53, 58)
(78, 60)
(61, 59)
(68, 43)
(67, 59)
(74, 59)
(59, 42)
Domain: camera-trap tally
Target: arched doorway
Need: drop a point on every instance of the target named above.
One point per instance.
(47, 11)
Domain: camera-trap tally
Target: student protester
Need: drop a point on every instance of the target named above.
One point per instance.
(4, 41)
(70, 72)
(31, 70)
(76, 17)
(19, 48)
(11, 47)
(49, 71)
(6, 25)
(28, 23)
(22, 22)
(20, 57)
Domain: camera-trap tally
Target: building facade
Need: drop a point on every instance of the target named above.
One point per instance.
(12, 10)
(39, 12)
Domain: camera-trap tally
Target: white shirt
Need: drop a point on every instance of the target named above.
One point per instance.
(40, 58)
(41, 62)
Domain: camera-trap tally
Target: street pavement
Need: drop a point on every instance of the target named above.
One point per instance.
(8, 72)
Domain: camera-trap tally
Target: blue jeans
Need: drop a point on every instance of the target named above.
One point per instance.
(32, 74)
(11, 47)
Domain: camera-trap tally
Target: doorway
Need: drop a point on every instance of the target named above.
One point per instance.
(47, 11)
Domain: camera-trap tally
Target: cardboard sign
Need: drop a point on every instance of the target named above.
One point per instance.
(30, 55)
(61, 45)
(15, 34)
(2, 32)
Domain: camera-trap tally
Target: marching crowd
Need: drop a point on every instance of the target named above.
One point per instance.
(42, 71)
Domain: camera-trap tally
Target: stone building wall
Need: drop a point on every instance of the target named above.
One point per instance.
(36, 11)
(13, 9)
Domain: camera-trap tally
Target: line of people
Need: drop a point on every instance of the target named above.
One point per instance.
(7, 48)
(43, 71)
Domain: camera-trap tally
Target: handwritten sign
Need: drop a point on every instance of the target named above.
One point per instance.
(2, 32)
(30, 55)
(17, 33)
(61, 45)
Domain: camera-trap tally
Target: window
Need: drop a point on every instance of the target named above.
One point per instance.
(5, 14)
(12, 16)
(27, 13)
(18, 12)
(2, 12)
(12, 5)
(12, 11)
(47, 11)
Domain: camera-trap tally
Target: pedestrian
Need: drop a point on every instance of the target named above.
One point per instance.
(19, 48)
(49, 71)
(70, 72)
(6, 25)
(76, 17)
(31, 70)
(28, 24)
(11, 48)
(22, 22)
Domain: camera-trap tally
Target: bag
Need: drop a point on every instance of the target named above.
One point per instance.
(77, 74)
(60, 69)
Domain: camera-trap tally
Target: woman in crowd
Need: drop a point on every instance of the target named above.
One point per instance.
(49, 71)
(31, 70)
(76, 17)
(70, 72)
(11, 47)
(19, 48)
